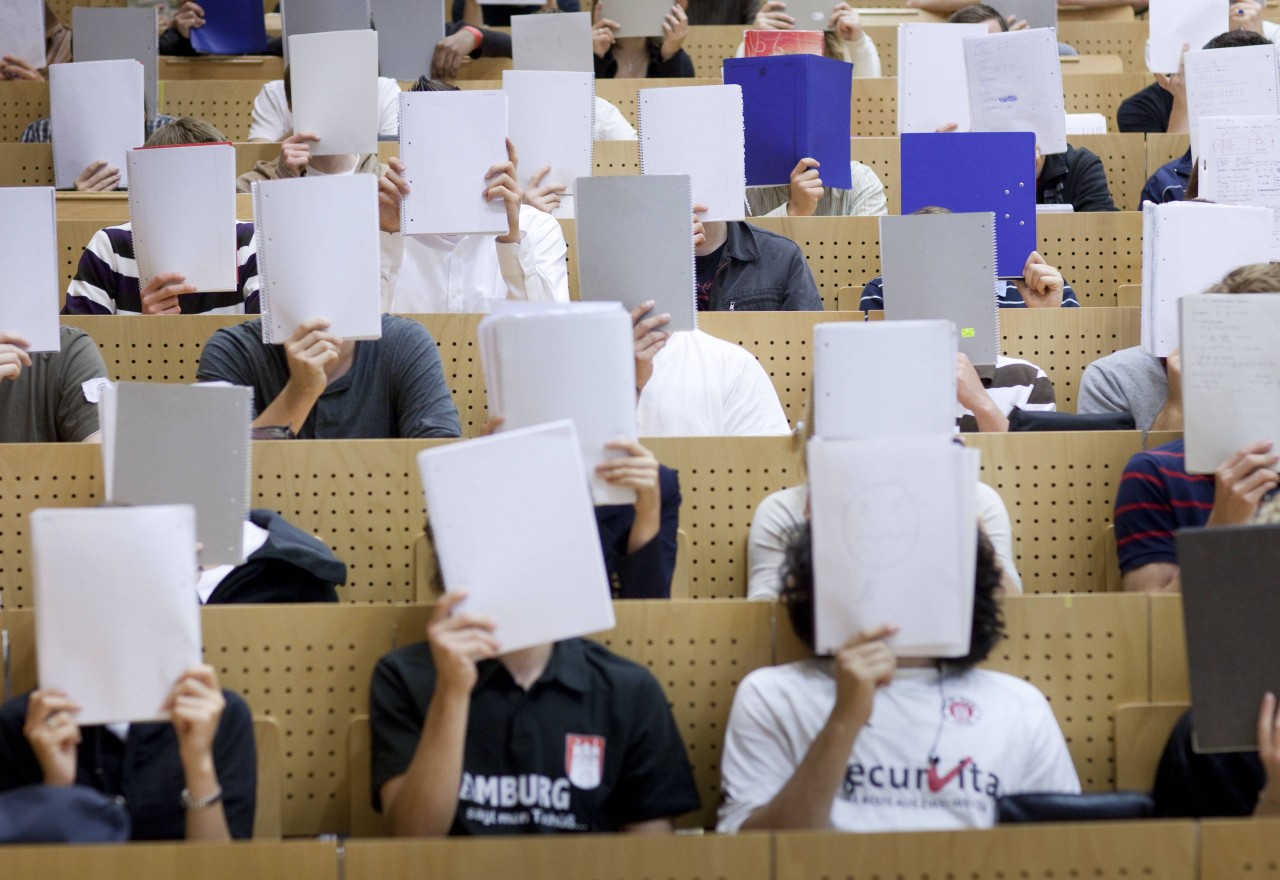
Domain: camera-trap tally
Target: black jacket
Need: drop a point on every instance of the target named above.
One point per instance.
(678, 65)
(762, 271)
(1147, 110)
(1075, 178)
(292, 566)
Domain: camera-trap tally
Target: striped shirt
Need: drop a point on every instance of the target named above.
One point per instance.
(106, 281)
(1157, 497)
(41, 131)
(1012, 382)
(1007, 296)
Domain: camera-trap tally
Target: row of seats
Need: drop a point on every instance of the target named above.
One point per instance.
(308, 669)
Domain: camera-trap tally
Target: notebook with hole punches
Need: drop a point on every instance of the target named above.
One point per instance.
(552, 42)
(1240, 81)
(977, 172)
(942, 267)
(115, 34)
(698, 131)
(635, 244)
(29, 254)
(1229, 607)
(231, 27)
(794, 107)
(932, 89)
(408, 31)
(22, 31)
(97, 112)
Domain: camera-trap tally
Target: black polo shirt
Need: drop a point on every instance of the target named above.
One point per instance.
(592, 746)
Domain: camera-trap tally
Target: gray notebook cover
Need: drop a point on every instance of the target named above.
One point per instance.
(113, 34)
(635, 243)
(1230, 604)
(185, 444)
(944, 266)
(408, 31)
(810, 15)
(638, 18)
(1036, 13)
(552, 42)
(322, 16)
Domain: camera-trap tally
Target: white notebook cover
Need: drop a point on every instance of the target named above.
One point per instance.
(335, 90)
(96, 113)
(319, 255)
(575, 362)
(1230, 375)
(448, 143)
(513, 525)
(182, 207)
(29, 255)
(638, 18)
(698, 131)
(551, 121)
(1230, 82)
(1240, 164)
(1174, 23)
(321, 16)
(22, 31)
(1015, 84)
(552, 42)
(921, 399)
(932, 88)
(117, 619)
(894, 541)
(111, 34)
(408, 31)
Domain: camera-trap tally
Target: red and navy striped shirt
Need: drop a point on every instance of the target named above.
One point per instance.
(1156, 498)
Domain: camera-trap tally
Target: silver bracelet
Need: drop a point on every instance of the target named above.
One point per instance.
(201, 803)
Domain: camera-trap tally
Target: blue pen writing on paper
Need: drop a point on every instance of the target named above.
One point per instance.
(1007, 99)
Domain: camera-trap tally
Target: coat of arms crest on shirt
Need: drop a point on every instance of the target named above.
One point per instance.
(584, 760)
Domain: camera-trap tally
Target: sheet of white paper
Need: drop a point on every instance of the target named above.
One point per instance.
(513, 525)
(29, 255)
(568, 364)
(1174, 23)
(117, 621)
(932, 88)
(1086, 123)
(96, 113)
(551, 121)
(1188, 247)
(296, 220)
(894, 543)
(321, 16)
(448, 143)
(22, 31)
(1230, 375)
(921, 399)
(552, 42)
(1240, 164)
(110, 34)
(182, 206)
(335, 90)
(639, 18)
(715, 159)
(408, 31)
(1015, 84)
(1230, 82)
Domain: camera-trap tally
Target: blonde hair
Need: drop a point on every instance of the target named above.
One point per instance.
(187, 130)
(1253, 278)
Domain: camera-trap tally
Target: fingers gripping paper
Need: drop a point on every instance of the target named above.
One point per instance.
(551, 119)
(1175, 23)
(29, 254)
(334, 80)
(638, 18)
(513, 525)
(698, 131)
(117, 620)
(96, 113)
(22, 31)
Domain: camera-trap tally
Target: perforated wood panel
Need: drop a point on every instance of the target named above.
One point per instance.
(708, 45)
(1060, 492)
(248, 154)
(315, 860)
(1123, 38)
(1142, 730)
(1064, 341)
(104, 208)
(1101, 92)
(26, 164)
(840, 251)
(21, 103)
(882, 156)
(875, 107)
(1124, 158)
(613, 158)
(721, 482)
(256, 68)
(1241, 849)
(1164, 148)
(622, 92)
(73, 235)
(1088, 654)
(228, 104)
(882, 27)
(1170, 681)
(1099, 851)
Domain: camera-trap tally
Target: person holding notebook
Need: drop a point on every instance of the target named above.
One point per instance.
(49, 397)
(57, 41)
(582, 739)
(844, 38)
(642, 57)
(499, 14)
(741, 267)
(867, 741)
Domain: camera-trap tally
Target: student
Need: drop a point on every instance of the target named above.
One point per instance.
(740, 267)
(499, 14)
(805, 195)
(273, 114)
(843, 38)
(642, 57)
(57, 43)
(175, 33)
(47, 397)
(1076, 178)
(996, 23)
(106, 281)
(193, 777)
(563, 737)
(639, 540)
(866, 741)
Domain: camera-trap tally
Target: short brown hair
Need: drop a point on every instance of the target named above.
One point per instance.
(187, 130)
(1253, 278)
(977, 14)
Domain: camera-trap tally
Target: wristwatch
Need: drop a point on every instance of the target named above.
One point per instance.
(201, 803)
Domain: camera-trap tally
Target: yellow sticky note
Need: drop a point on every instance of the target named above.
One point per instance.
(968, 332)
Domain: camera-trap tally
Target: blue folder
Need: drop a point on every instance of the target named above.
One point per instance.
(793, 107)
(977, 171)
(231, 27)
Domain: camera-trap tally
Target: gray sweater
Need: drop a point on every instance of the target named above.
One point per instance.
(1129, 381)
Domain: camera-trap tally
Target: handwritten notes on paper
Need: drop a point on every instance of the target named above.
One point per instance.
(1240, 164)
(1230, 82)
(1015, 84)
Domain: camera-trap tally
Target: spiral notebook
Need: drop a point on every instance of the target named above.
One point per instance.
(321, 16)
(1239, 164)
(568, 361)
(148, 434)
(1242, 81)
(448, 143)
(551, 118)
(117, 34)
(932, 88)
(942, 266)
(182, 208)
(1186, 248)
(29, 254)
(334, 79)
(117, 618)
(1015, 84)
(513, 525)
(22, 31)
(698, 131)
(319, 255)
(231, 27)
(635, 244)
(638, 18)
(1173, 23)
(552, 42)
(408, 31)
(97, 112)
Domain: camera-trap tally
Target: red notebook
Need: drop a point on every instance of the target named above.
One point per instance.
(760, 43)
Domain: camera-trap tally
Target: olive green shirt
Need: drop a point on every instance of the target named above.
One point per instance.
(46, 403)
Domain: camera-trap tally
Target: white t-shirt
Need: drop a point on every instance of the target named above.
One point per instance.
(273, 120)
(996, 736)
(611, 125)
(703, 386)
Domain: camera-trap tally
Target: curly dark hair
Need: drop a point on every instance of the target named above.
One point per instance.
(988, 622)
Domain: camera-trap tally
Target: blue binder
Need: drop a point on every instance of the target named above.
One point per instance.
(794, 106)
(977, 171)
(231, 27)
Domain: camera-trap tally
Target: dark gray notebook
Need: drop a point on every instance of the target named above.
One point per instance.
(114, 34)
(323, 16)
(635, 243)
(943, 266)
(408, 31)
(638, 18)
(1230, 604)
